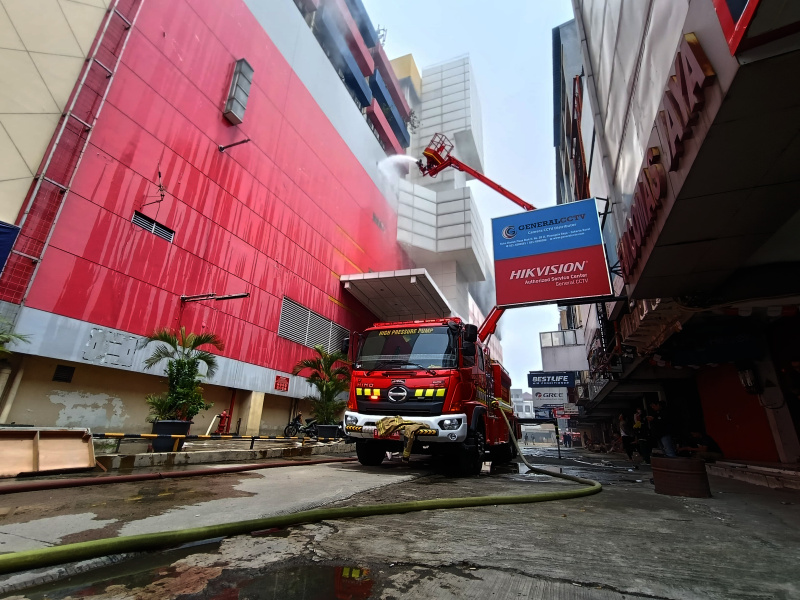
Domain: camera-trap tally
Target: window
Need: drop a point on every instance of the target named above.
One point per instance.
(239, 92)
(64, 373)
(565, 337)
(408, 349)
(150, 225)
(303, 326)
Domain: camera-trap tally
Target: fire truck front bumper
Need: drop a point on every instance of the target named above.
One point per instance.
(438, 429)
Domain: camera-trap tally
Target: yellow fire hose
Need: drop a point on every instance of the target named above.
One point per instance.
(43, 557)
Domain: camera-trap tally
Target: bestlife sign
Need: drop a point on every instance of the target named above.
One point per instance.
(541, 379)
(550, 254)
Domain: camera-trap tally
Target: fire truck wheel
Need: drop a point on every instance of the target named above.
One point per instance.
(503, 453)
(471, 459)
(370, 454)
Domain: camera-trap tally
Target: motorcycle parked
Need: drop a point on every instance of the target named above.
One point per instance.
(297, 429)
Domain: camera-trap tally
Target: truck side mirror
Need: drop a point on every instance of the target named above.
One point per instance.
(346, 346)
(468, 348)
(471, 333)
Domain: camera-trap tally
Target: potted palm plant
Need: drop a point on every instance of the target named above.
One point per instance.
(172, 412)
(330, 381)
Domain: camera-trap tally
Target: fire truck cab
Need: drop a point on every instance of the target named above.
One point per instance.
(436, 373)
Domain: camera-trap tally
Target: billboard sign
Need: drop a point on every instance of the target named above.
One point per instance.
(550, 254)
(538, 379)
(549, 396)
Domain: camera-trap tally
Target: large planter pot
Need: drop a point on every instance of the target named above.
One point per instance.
(681, 477)
(327, 431)
(169, 428)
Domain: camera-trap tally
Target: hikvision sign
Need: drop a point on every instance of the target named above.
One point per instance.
(550, 254)
(681, 103)
(548, 270)
(538, 379)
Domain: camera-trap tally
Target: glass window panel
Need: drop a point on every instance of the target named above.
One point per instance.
(547, 339)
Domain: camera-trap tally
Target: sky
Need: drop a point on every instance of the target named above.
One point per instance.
(510, 48)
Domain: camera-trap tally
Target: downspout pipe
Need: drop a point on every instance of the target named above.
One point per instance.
(12, 393)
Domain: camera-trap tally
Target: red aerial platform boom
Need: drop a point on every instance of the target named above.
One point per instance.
(438, 158)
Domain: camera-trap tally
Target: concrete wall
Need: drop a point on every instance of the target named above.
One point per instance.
(287, 29)
(100, 398)
(43, 44)
(450, 105)
(628, 50)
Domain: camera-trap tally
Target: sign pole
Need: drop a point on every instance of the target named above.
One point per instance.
(558, 441)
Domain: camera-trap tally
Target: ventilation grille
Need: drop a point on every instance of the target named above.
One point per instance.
(64, 373)
(150, 225)
(303, 326)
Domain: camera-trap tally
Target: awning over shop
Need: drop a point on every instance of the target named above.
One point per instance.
(398, 295)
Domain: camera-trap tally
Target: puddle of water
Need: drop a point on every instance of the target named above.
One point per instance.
(303, 582)
(297, 582)
(137, 572)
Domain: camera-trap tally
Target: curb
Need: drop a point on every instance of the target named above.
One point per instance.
(114, 462)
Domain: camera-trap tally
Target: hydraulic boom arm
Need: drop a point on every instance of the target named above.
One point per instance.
(438, 158)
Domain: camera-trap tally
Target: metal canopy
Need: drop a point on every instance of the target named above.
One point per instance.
(398, 295)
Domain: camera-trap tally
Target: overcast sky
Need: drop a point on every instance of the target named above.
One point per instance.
(510, 48)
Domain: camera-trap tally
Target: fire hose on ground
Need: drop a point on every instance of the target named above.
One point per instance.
(43, 557)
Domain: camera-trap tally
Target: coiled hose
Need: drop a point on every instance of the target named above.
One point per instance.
(43, 557)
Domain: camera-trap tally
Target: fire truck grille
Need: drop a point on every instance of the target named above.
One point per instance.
(402, 409)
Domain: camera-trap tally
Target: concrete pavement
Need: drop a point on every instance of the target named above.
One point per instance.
(625, 542)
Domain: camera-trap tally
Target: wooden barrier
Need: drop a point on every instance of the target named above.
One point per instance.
(35, 450)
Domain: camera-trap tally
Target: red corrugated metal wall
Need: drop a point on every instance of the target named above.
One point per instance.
(283, 215)
(734, 418)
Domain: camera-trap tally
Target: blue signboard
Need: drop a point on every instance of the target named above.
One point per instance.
(551, 379)
(8, 235)
(562, 227)
(550, 254)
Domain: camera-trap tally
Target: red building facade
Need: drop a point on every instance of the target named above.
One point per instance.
(282, 216)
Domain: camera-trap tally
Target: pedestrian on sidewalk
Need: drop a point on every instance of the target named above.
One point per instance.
(661, 428)
(641, 433)
(625, 432)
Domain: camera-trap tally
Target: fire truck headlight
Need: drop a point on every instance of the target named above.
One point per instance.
(450, 423)
(350, 420)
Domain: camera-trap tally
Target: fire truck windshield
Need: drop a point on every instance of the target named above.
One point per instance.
(408, 348)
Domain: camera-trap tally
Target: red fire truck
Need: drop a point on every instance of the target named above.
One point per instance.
(436, 373)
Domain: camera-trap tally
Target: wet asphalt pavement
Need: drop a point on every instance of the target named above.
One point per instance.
(625, 542)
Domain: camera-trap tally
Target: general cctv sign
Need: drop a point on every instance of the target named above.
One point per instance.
(550, 254)
(538, 379)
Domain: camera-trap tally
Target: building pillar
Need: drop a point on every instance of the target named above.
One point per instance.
(249, 410)
(778, 416)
